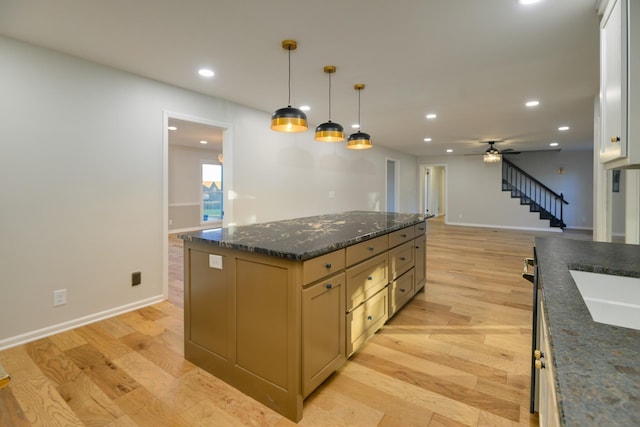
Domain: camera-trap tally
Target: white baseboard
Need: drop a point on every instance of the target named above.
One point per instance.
(510, 227)
(75, 323)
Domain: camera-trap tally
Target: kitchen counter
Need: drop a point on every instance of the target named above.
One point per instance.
(597, 366)
(304, 238)
(275, 308)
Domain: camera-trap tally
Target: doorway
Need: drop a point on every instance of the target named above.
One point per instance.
(392, 178)
(190, 142)
(433, 189)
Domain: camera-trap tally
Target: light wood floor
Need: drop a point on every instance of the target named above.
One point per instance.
(457, 355)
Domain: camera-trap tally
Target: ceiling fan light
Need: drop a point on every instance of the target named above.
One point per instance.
(492, 156)
(359, 141)
(289, 119)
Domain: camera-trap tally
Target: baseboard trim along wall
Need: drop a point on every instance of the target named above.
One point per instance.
(75, 323)
(510, 227)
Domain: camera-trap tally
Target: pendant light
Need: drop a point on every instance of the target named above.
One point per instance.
(289, 119)
(359, 140)
(329, 131)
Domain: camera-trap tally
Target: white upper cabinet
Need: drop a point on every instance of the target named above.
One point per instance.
(619, 80)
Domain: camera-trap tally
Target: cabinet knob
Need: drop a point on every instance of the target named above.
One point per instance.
(403, 235)
(538, 354)
(615, 139)
(402, 258)
(369, 317)
(417, 247)
(403, 290)
(539, 364)
(327, 265)
(371, 248)
(370, 278)
(329, 286)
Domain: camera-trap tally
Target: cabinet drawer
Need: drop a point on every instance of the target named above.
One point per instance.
(400, 236)
(361, 251)
(400, 291)
(366, 279)
(365, 320)
(401, 259)
(420, 228)
(324, 265)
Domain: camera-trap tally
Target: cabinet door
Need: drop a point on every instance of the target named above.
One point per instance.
(207, 296)
(323, 331)
(420, 261)
(613, 63)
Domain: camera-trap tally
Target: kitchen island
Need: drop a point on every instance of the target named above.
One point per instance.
(596, 365)
(273, 309)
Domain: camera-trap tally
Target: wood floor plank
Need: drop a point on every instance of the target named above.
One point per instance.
(42, 405)
(456, 355)
(107, 375)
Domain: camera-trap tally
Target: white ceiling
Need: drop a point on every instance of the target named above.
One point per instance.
(472, 62)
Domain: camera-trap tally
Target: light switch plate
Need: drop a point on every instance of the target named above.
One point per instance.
(215, 261)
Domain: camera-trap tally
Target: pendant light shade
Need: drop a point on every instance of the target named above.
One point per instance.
(359, 140)
(329, 131)
(289, 119)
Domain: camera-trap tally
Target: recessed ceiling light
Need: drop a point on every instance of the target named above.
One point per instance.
(172, 128)
(533, 103)
(554, 144)
(528, 1)
(427, 140)
(205, 72)
(305, 108)
(203, 142)
(431, 116)
(355, 126)
(449, 150)
(563, 128)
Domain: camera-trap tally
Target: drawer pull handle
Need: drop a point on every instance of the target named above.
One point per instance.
(403, 235)
(327, 265)
(369, 317)
(403, 290)
(417, 247)
(402, 258)
(370, 278)
(371, 248)
(329, 286)
(615, 139)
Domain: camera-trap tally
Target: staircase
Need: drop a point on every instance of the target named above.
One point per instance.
(532, 192)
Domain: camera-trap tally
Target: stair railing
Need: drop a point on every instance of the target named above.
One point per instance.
(517, 180)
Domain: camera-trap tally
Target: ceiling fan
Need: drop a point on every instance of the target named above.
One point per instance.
(492, 154)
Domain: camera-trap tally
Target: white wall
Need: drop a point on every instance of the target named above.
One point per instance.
(81, 162)
(575, 181)
(474, 196)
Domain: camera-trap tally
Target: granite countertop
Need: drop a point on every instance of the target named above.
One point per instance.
(597, 366)
(303, 238)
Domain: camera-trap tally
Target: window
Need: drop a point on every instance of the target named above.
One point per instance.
(212, 193)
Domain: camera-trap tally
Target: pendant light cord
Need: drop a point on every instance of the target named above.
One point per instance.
(359, 90)
(329, 96)
(289, 50)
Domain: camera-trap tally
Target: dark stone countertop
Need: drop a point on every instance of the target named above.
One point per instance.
(304, 238)
(597, 366)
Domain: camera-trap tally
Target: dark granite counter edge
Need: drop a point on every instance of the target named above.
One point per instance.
(310, 253)
(597, 369)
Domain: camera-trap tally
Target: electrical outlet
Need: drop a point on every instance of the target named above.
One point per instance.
(59, 297)
(136, 278)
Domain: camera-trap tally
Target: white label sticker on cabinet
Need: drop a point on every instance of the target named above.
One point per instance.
(215, 261)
